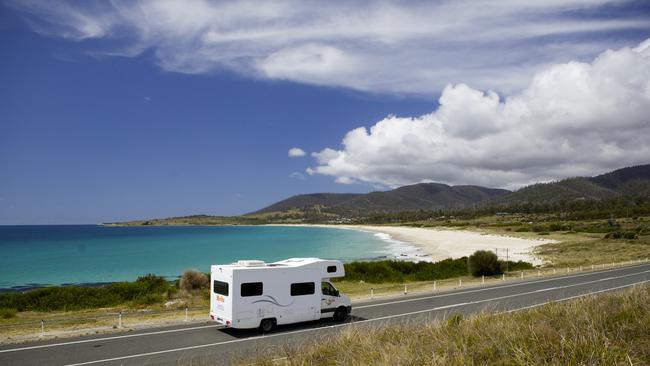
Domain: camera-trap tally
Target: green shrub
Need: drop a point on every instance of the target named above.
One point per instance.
(484, 263)
(522, 230)
(193, 280)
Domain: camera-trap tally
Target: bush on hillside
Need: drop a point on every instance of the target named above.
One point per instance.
(193, 280)
(484, 263)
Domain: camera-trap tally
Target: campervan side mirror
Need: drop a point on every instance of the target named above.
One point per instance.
(337, 293)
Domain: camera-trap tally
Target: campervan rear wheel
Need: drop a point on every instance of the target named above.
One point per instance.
(340, 314)
(267, 325)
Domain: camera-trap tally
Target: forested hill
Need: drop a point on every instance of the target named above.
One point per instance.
(606, 190)
(631, 181)
(423, 196)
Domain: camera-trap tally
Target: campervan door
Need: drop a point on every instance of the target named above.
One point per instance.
(221, 294)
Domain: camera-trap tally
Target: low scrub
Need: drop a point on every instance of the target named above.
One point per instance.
(145, 290)
(629, 235)
(6, 313)
(401, 271)
(609, 329)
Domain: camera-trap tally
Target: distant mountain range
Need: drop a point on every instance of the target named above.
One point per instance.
(434, 196)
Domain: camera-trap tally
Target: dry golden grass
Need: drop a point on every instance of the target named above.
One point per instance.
(608, 329)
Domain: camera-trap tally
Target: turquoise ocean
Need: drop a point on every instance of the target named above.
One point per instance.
(34, 256)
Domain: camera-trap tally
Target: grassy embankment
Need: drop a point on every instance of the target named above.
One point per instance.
(607, 329)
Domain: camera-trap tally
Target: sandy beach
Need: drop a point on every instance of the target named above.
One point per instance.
(437, 244)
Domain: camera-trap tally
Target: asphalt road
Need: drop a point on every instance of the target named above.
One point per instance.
(209, 344)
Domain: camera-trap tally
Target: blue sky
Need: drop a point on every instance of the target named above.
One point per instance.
(106, 117)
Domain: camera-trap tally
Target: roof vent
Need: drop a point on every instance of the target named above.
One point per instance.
(251, 263)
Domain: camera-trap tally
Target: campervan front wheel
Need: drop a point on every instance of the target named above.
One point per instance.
(266, 325)
(340, 314)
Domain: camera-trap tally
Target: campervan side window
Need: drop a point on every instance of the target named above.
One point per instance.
(221, 288)
(302, 288)
(331, 269)
(252, 289)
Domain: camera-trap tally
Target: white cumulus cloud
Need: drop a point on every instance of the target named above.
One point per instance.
(380, 47)
(573, 119)
(295, 152)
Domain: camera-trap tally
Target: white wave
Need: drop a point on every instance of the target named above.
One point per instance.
(396, 249)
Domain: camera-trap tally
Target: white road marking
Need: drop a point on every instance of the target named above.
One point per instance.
(484, 289)
(349, 324)
(110, 338)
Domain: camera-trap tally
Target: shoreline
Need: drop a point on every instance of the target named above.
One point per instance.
(435, 244)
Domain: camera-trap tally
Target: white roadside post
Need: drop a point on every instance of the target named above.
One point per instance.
(503, 277)
(554, 271)
(119, 320)
(434, 286)
(372, 293)
(186, 315)
(522, 274)
(592, 267)
(42, 328)
(405, 290)
(483, 279)
(580, 268)
(568, 270)
(539, 273)
(460, 282)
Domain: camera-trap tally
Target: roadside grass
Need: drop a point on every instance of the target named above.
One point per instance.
(591, 250)
(27, 325)
(605, 329)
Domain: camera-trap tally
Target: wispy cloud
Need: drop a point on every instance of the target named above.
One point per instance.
(385, 47)
(297, 175)
(573, 119)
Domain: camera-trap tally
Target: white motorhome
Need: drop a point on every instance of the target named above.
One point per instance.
(251, 293)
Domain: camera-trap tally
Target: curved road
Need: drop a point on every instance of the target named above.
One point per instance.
(212, 344)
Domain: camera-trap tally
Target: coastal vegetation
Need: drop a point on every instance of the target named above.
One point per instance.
(393, 271)
(154, 290)
(607, 329)
(145, 290)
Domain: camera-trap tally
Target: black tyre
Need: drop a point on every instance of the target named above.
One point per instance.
(340, 314)
(266, 325)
